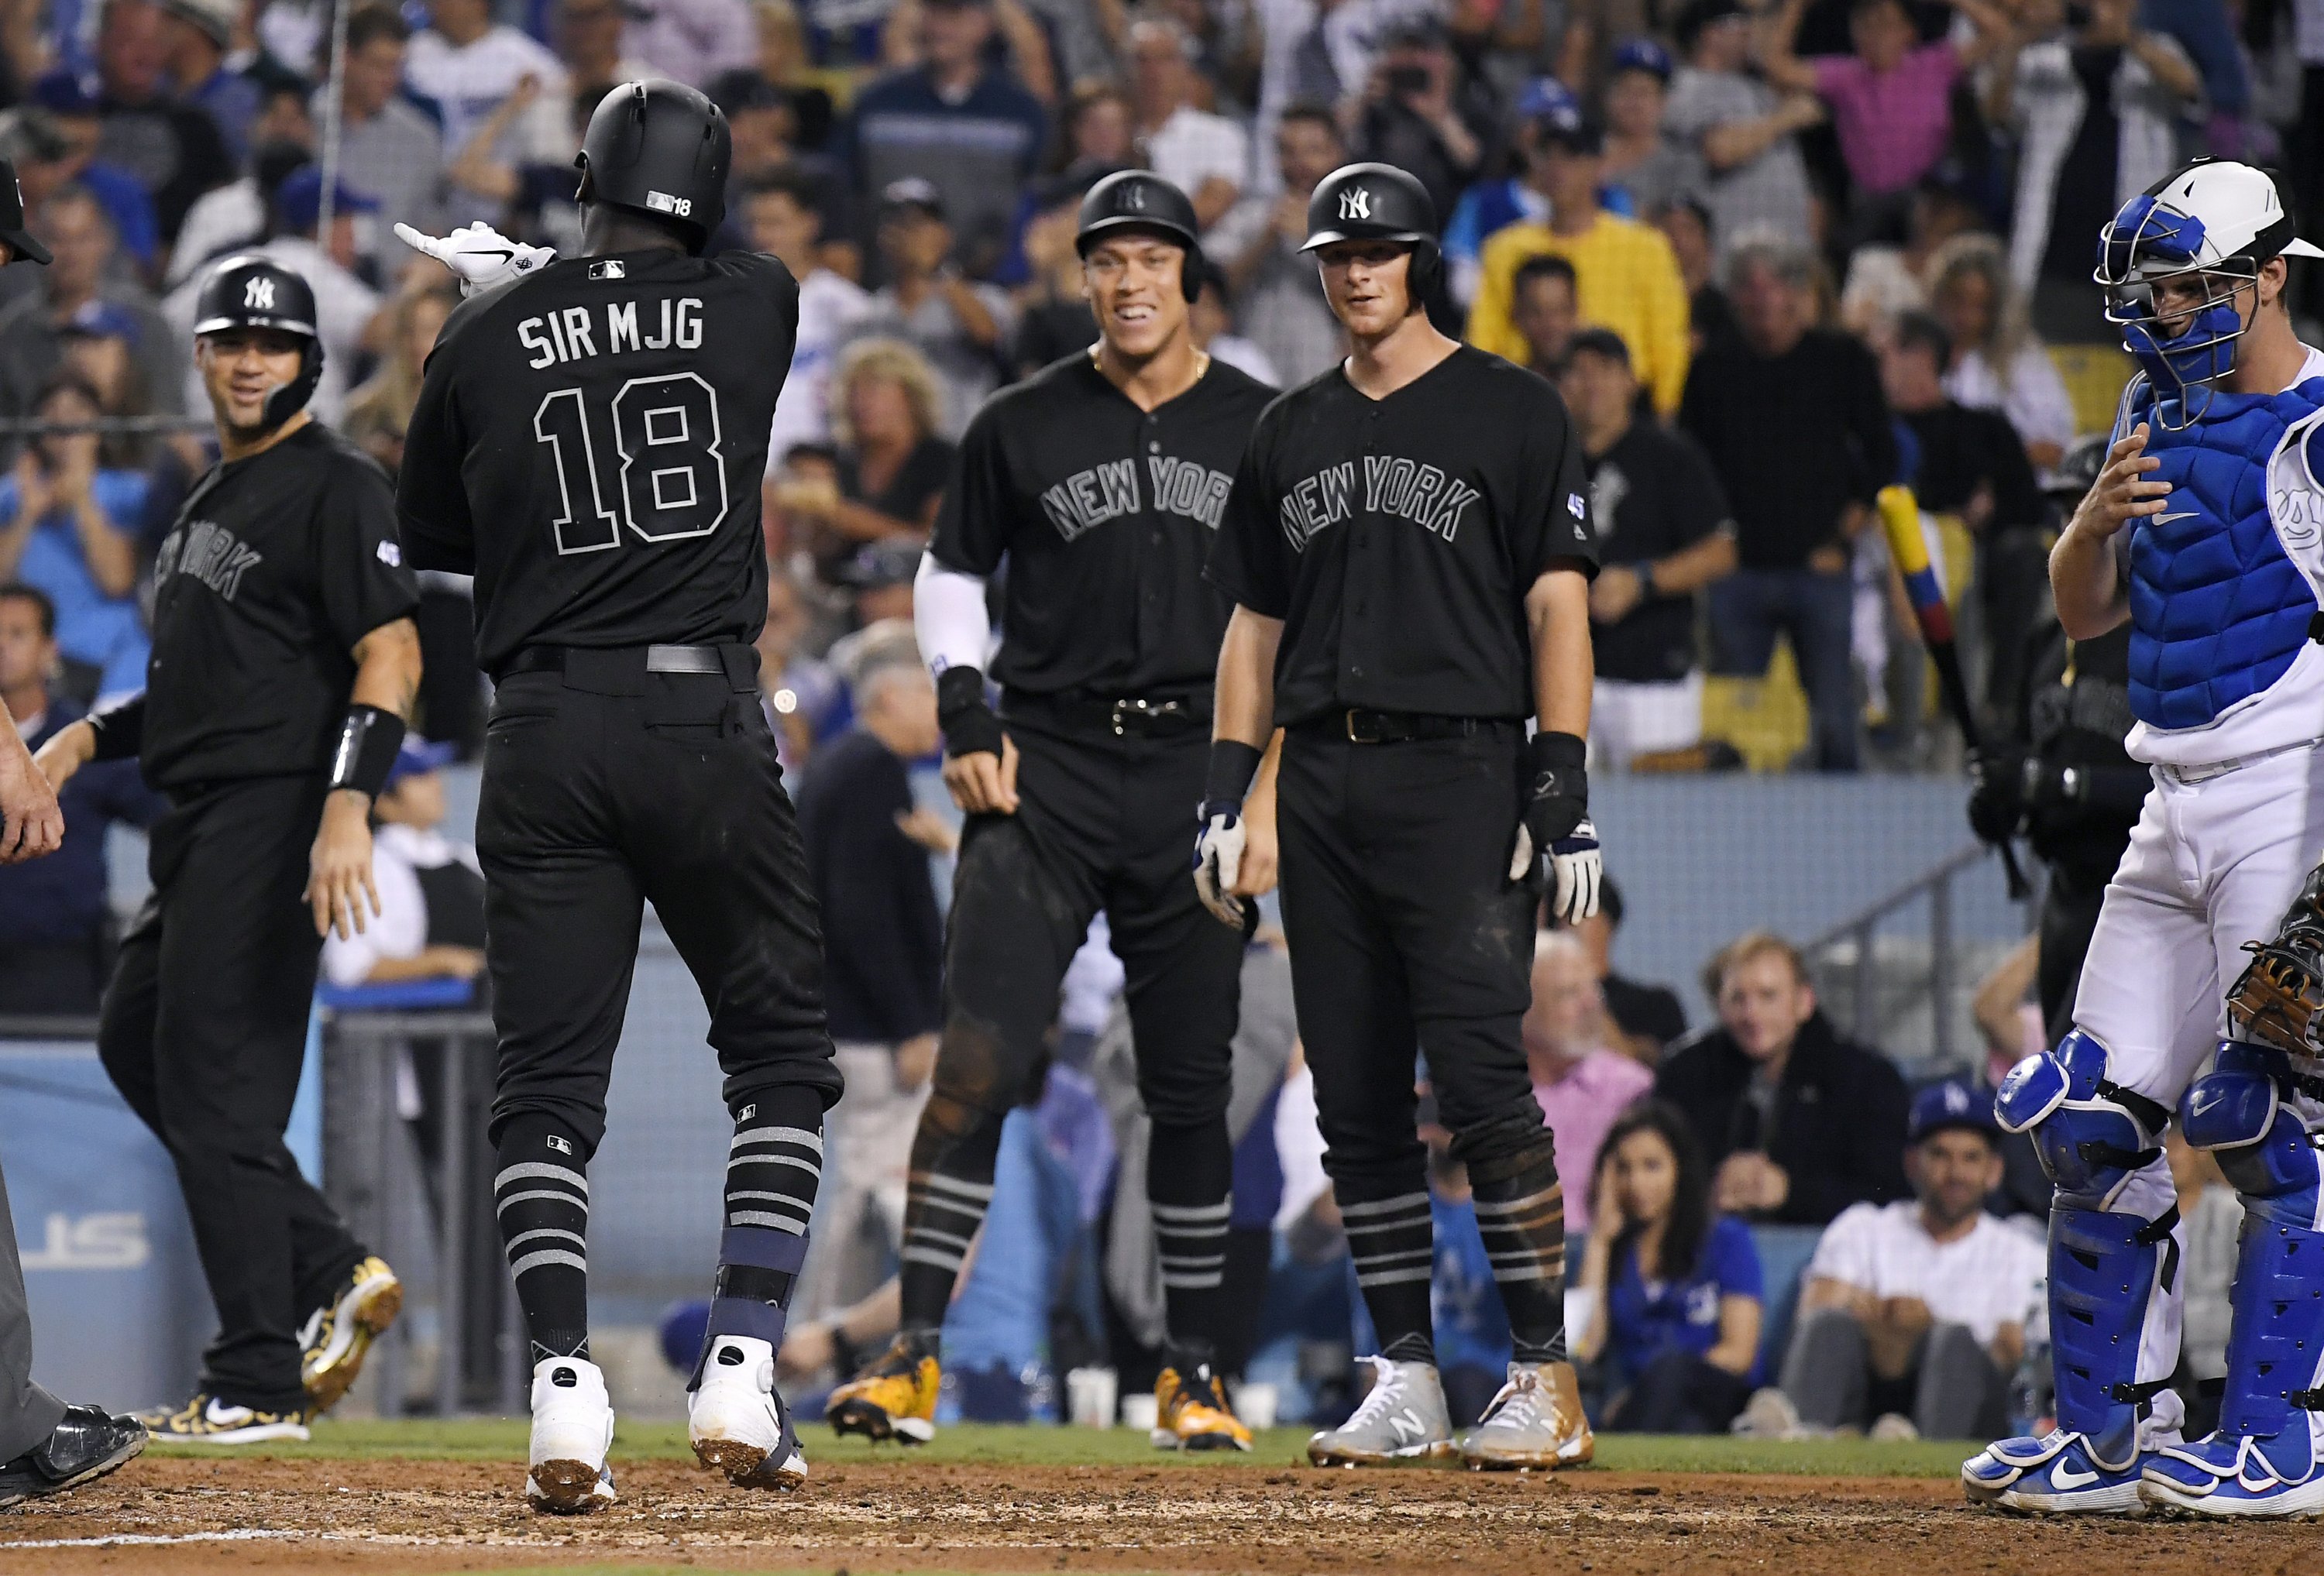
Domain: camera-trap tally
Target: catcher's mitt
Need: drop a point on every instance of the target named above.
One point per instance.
(2279, 998)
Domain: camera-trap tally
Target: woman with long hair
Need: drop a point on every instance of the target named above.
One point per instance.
(891, 465)
(1999, 363)
(380, 410)
(1677, 1302)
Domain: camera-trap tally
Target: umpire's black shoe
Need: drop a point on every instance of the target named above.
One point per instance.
(88, 1444)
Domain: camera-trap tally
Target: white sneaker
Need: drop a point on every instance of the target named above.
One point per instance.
(736, 1422)
(1891, 1426)
(1769, 1414)
(1403, 1418)
(572, 1428)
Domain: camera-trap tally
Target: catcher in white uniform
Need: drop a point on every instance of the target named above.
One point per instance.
(2203, 532)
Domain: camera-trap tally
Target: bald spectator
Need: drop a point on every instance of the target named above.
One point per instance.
(1582, 1086)
(1204, 155)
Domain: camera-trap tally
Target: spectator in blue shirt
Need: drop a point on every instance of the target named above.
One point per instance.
(54, 935)
(1678, 1289)
(67, 528)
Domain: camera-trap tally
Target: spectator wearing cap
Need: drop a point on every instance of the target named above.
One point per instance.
(1581, 1083)
(467, 66)
(74, 226)
(1793, 418)
(1545, 305)
(197, 37)
(867, 844)
(694, 42)
(1423, 113)
(763, 122)
(779, 217)
(1915, 1310)
(966, 129)
(1281, 292)
(959, 325)
(352, 318)
(879, 578)
(1664, 534)
(429, 924)
(55, 929)
(1797, 1123)
(1206, 156)
(58, 131)
(1625, 277)
(891, 467)
(1642, 1019)
(174, 150)
(387, 147)
(1644, 171)
(1745, 133)
(1891, 99)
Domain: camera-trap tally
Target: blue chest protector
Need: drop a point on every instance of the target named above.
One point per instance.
(2218, 613)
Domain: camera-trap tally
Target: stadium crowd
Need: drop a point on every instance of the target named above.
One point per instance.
(1777, 255)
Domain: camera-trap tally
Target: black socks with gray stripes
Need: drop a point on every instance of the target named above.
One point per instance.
(541, 1193)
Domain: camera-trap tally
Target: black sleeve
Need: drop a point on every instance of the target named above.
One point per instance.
(431, 496)
(1549, 527)
(1247, 559)
(1698, 502)
(1868, 1165)
(2016, 496)
(1866, 414)
(869, 915)
(972, 534)
(358, 558)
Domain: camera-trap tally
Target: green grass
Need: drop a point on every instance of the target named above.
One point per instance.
(498, 1440)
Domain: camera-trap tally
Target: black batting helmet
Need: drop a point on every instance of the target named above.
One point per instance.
(1377, 202)
(250, 292)
(1139, 199)
(660, 149)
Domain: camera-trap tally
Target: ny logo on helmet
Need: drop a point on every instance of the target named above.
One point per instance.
(1356, 203)
(258, 294)
(1134, 197)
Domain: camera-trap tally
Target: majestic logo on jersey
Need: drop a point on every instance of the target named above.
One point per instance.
(661, 202)
(258, 294)
(209, 552)
(1356, 203)
(1400, 488)
(1087, 499)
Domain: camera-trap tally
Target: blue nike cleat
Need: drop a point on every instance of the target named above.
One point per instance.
(2054, 1475)
(2228, 1476)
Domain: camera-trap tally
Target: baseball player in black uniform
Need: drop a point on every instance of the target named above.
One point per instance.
(1408, 547)
(1100, 481)
(284, 666)
(588, 443)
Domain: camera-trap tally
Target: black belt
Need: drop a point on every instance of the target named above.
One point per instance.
(1124, 716)
(639, 659)
(1359, 726)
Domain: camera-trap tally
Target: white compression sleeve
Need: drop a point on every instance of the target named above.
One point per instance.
(948, 615)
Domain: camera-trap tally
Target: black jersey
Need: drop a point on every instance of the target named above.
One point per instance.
(589, 443)
(1652, 494)
(1396, 537)
(277, 566)
(1105, 513)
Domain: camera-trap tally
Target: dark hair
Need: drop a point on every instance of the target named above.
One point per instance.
(1548, 265)
(793, 183)
(1689, 1223)
(64, 380)
(42, 604)
(1310, 110)
(369, 24)
(1919, 330)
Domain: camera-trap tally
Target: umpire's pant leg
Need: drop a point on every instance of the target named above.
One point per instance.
(561, 905)
(717, 844)
(28, 1413)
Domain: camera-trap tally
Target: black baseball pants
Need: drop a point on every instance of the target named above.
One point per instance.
(204, 1030)
(606, 787)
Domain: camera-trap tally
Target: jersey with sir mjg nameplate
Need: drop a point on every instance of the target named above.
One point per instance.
(277, 567)
(1104, 513)
(1397, 538)
(589, 442)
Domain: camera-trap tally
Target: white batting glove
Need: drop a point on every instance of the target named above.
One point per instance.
(480, 256)
(1576, 868)
(1218, 861)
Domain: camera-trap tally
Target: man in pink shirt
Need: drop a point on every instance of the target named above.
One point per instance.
(1891, 99)
(1581, 1085)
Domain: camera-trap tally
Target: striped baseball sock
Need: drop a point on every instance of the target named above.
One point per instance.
(953, 1154)
(1189, 1172)
(541, 1194)
(1521, 1216)
(1393, 1244)
(773, 1168)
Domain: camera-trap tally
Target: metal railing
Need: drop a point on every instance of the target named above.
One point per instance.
(1862, 928)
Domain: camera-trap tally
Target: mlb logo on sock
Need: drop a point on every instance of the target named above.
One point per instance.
(561, 1145)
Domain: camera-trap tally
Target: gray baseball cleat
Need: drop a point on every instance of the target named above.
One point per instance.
(1535, 1421)
(1403, 1419)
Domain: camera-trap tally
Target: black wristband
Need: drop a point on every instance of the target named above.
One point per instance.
(970, 728)
(368, 740)
(1233, 764)
(1555, 767)
(119, 727)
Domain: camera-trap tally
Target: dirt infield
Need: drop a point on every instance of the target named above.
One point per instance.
(269, 1516)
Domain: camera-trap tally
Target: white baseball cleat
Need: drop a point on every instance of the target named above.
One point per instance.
(736, 1422)
(572, 1429)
